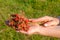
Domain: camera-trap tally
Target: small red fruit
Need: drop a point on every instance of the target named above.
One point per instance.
(20, 22)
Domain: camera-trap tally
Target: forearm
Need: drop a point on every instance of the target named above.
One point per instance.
(53, 32)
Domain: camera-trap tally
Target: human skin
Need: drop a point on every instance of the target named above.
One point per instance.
(50, 28)
(51, 20)
(53, 31)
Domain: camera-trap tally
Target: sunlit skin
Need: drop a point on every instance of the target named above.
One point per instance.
(50, 28)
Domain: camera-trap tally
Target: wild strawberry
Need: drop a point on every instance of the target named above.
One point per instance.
(16, 19)
(19, 22)
(17, 15)
(26, 21)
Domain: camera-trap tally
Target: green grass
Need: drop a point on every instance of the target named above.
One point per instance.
(32, 9)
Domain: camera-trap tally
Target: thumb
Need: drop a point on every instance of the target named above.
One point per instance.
(51, 23)
(33, 20)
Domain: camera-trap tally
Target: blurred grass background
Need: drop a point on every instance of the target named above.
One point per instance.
(32, 9)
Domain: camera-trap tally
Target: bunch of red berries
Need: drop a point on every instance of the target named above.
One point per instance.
(18, 22)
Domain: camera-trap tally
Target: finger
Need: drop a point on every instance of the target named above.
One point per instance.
(17, 31)
(46, 18)
(23, 32)
(39, 19)
(54, 22)
(32, 20)
(29, 32)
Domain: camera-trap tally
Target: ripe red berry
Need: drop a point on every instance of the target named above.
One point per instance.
(20, 22)
(26, 20)
(16, 19)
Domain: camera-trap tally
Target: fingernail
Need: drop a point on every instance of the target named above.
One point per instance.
(45, 24)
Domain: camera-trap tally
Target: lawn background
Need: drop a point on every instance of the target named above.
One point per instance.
(32, 9)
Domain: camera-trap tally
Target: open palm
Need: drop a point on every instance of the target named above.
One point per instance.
(33, 29)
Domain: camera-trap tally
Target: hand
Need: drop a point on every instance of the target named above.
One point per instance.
(34, 28)
(47, 31)
(49, 21)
